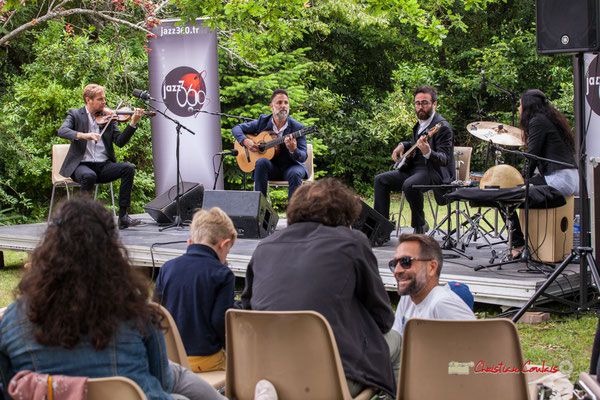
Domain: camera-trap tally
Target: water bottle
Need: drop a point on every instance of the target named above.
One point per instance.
(576, 231)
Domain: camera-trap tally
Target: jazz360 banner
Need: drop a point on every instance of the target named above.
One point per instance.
(184, 83)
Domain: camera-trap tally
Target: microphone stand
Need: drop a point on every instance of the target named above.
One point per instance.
(514, 98)
(220, 114)
(525, 253)
(222, 154)
(177, 221)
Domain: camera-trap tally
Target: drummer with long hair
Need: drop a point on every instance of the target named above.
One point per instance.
(547, 134)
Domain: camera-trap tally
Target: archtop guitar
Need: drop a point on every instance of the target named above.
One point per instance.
(407, 154)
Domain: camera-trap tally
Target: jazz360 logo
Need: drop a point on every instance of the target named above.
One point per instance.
(184, 87)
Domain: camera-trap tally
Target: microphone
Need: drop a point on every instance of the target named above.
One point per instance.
(142, 94)
(228, 153)
(483, 85)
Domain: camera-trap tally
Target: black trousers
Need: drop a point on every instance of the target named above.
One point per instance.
(87, 174)
(397, 181)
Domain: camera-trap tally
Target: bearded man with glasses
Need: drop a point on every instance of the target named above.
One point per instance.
(416, 266)
(431, 164)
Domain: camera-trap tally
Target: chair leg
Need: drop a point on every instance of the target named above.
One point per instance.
(112, 196)
(51, 202)
(434, 213)
(400, 213)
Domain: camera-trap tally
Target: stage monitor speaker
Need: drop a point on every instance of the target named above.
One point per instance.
(567, 26)
(374, 225)
(252, 215)
(164, 208)
(550, 232)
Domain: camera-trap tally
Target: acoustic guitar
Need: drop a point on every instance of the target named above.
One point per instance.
(407, 154)
(268, 146)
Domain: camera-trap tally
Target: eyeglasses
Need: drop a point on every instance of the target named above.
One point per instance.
(405, 262)
(423, 103)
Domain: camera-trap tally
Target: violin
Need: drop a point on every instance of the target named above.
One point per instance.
(123, 114)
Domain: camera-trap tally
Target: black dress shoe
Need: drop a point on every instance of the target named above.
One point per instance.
(422, 229)
(126, 221)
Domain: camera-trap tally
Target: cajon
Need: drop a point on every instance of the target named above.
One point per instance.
(550, 231)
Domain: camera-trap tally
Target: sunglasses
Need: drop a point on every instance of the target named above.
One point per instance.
(405, 262)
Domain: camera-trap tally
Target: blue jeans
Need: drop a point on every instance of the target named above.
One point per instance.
(267, 169)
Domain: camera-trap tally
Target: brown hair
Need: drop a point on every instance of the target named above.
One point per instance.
(80, 281)
(278, 91)
(92, 90)
(429, 248)
(328, 201)
(212, 226)
(427, 90)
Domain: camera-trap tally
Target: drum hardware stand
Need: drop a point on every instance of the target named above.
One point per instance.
(526, 256)
(509, 209)
(584, 251)
(449, 242)
(476, 220)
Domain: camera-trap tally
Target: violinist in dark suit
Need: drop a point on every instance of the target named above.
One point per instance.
(91, 157)
(431, 164)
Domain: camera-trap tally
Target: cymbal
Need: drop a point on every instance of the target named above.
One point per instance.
(504, 135)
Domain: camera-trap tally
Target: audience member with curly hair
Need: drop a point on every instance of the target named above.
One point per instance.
(82, 310)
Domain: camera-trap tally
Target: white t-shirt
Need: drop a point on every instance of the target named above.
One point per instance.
(440, 303)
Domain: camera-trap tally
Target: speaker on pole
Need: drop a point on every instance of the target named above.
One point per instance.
(567, 26)
(374, 225)
(163, 208)
(252, 215)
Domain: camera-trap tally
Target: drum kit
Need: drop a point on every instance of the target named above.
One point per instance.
(501, 175)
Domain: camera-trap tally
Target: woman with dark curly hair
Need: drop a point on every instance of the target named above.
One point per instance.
(546, 133)
(82, 310)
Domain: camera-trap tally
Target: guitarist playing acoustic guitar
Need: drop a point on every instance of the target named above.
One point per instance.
(289, 163)
(431, 161)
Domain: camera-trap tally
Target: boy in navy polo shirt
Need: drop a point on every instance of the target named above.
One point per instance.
(197, 289)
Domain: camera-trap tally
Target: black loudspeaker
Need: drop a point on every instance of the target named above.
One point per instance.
(252, 215)
(567, 26)
(164, 208)
(374, 225)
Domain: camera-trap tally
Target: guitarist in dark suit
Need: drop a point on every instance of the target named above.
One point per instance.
(289, 164)
(91, 157)
(431, 164)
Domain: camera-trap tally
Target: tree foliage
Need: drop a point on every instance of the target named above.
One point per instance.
(350, 67)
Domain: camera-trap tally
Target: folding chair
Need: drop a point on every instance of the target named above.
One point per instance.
(115, 388)
(309, 166)
(59, 152)
(294, 350)
(443, 359)
(176, 351)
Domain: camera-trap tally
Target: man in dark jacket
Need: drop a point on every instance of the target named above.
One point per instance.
(289, 164)
(431, 164)
(91, 157)
(319, 263)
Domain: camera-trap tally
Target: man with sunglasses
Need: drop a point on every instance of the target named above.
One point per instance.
(417, 266)
(431, 164)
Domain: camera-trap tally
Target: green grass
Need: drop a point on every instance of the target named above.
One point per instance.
(563, 339)
(10, 275)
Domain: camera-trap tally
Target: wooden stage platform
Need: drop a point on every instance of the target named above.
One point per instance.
(511, 286)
